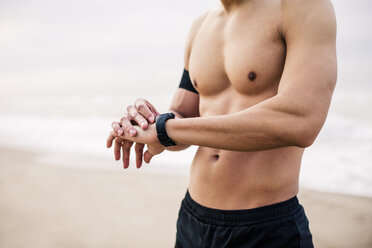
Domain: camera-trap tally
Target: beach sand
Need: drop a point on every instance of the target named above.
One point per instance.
(51, 206)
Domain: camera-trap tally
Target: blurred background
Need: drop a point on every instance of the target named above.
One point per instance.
(69, 68)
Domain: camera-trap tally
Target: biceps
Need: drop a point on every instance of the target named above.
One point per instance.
(309, 78)
(186, 103)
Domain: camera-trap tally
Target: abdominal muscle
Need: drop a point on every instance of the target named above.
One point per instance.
(225, 179)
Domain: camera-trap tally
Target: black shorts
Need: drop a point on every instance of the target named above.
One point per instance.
(282, 224)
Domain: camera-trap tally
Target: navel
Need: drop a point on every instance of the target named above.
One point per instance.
(216, 157)
(252, 76)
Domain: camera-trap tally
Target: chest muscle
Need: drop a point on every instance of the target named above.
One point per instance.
(240, 54)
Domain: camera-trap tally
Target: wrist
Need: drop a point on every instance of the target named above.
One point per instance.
(169, 126)
(162, 135)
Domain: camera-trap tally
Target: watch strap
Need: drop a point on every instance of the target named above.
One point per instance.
(160, 129)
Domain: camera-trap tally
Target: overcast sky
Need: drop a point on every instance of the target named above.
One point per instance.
(48, 45)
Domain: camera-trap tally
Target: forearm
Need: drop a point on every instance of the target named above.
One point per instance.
(260, 127)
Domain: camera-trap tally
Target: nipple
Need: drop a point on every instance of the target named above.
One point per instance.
(252, 76)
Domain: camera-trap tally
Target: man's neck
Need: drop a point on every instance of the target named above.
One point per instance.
(230, 4)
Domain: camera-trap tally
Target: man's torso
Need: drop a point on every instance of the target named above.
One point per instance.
(236, 61)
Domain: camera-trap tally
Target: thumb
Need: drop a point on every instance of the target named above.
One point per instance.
(147, 156)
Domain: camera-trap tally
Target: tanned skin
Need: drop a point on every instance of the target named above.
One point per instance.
(265, 72)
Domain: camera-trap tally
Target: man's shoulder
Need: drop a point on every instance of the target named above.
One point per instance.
(305, 8)
(303, 4)
(197, 23)
(311, 15)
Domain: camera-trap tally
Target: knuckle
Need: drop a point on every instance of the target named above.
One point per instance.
(132, 112)
(141, 107)
(135, 115)
(139, 100)
(129, 108)
(122, 119)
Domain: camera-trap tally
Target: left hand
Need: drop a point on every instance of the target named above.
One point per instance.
(148, 137)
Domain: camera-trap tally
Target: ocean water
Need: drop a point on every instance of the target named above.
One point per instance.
(68, 69)
(339, 161)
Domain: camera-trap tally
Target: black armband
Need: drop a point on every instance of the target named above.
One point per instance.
(186, 82)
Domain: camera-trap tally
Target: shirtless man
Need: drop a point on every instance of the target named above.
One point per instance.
(260, 82)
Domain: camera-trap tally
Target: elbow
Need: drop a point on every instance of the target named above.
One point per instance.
(305, 134)
(305, 140)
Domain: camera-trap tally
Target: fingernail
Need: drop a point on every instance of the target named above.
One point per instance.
(143, 125)
(131, 131)
(151, 118)
(119, 131)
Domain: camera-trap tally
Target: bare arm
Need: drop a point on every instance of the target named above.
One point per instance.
(185, 104)
(296, 114)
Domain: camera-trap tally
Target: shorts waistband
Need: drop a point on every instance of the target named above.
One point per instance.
(241, 217)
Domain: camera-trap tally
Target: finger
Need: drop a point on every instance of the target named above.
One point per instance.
(147, 156)
(127, 126)
(139, 153)
(126, 153)
(110, 139)
(117, 147)
(153, 110)
(137, 117)
(144, 108)
(117, 128)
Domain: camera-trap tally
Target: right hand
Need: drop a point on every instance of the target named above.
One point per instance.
(142, 113)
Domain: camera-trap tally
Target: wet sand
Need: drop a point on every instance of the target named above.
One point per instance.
(49, 206)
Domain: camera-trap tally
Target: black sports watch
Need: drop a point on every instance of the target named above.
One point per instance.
(160, 129)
